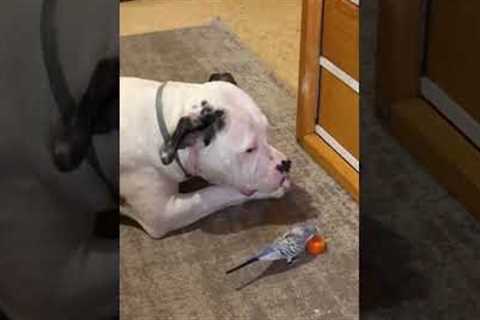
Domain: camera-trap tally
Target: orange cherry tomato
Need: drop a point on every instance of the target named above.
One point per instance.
(316, 245)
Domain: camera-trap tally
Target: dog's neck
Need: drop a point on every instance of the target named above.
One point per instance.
(179, 99)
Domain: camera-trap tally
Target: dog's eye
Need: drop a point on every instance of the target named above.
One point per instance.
(250, 150)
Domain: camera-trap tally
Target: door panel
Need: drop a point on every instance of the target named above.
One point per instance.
(453, 51)
(340, 35)
(338, 112)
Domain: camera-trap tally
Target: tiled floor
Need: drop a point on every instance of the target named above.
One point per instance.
(270, 28)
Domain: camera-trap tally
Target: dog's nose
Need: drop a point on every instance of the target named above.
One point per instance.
(284, 166)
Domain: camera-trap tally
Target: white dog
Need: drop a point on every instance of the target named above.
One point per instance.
(170, 131)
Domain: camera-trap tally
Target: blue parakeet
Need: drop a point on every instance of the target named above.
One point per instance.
(288, 246)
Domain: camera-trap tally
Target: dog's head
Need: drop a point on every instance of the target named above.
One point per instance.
(225, 141)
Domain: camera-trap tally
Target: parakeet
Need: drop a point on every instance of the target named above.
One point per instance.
(288, 246)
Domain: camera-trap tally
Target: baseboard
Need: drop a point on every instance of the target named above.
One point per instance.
(452, 159)
(333, 163)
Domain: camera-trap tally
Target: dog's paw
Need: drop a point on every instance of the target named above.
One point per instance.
(278, 193)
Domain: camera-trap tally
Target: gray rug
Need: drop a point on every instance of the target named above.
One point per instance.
(183, 276)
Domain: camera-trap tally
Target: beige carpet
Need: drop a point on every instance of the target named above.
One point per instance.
(270, 28)
(183, 276)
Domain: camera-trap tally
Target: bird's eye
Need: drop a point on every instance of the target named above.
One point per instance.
(250, 150)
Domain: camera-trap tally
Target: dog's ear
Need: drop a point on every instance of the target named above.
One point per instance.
(227, 77)
(190, 129)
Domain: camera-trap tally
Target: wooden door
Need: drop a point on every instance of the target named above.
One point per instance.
(451, 67)
(328, 99)
(338, 107)
(426, 66)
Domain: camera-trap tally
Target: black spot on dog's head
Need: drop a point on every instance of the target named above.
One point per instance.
(225, 76)
(217, 124)
(191, 128)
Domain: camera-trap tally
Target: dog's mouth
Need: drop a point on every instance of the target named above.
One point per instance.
(248, 192)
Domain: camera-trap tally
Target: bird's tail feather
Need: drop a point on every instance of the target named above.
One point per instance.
(246, 263)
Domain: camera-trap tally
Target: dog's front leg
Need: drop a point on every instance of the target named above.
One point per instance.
(184, 209)
(159, 208)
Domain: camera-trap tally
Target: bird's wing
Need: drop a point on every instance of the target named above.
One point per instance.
(270, 253)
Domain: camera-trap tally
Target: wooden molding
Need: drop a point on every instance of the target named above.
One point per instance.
(309, 66)
(446, 154)
(333, 163)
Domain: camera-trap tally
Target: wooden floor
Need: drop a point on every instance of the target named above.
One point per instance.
(270, 28)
